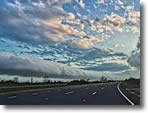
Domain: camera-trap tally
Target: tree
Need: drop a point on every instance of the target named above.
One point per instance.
(15, 79)
(103, 79)
(45, 79)
(31, 79)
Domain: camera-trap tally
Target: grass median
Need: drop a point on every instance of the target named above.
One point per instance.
(16, 89)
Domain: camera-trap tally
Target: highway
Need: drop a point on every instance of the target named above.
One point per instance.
(94, 94)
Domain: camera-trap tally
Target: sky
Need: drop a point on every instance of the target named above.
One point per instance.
(70, 39)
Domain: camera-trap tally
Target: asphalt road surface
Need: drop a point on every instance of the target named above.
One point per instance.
(96, 94)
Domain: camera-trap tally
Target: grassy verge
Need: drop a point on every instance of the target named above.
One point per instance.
(132, 85)
(9, 90)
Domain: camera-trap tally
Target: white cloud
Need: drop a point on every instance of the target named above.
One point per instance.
(100, 2)
(82, 5)
(109, 49)
(134, 60)
(120, 2)
(85, 42)
(40, 20)
(117, 7)
(115, 22)
(116, 45)
(80, 43)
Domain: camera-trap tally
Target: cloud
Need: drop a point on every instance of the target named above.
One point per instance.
(17, 64)
(80, 43)
(75, 22)
(116, 45)
(3, 41)
(115, 22)
(99, 1)
(113, 67)
(41, 21)
(85, 42)
(90, 37)
(109, 23)
(93, 54)
(133, 18)
(134, 59)
(56, 30)
(21, 65)
(27, 21)
(120, 2)
(109, 49)
(81, 3)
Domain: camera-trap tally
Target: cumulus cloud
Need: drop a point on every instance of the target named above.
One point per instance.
(85, 42)
(99, 1)
(41, 21)
(120, 2)
(34, 21)
(81, 3)
(57, 31)
(133, 17)
(109, 49)
(76, 22)
(116, 45)
(115, 22)
(80, 43)
(134, 59)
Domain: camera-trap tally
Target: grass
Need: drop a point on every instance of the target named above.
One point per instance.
(16, 89)
(9, 90)
(132, 83)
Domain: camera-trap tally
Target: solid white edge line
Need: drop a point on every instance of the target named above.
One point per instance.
(124, 95)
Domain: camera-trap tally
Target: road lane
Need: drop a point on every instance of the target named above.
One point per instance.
(95, 94)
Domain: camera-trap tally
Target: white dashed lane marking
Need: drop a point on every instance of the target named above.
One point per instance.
(46, 98)
(34, 93)
(12, 97)
(69, 92)
(94, 93)
(102, 88)
(49, 91)
(83, 100)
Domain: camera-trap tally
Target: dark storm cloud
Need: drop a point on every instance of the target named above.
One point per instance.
(21, 65)
(95, 53)
(17, 64)
(113, 67)
(3, 41)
